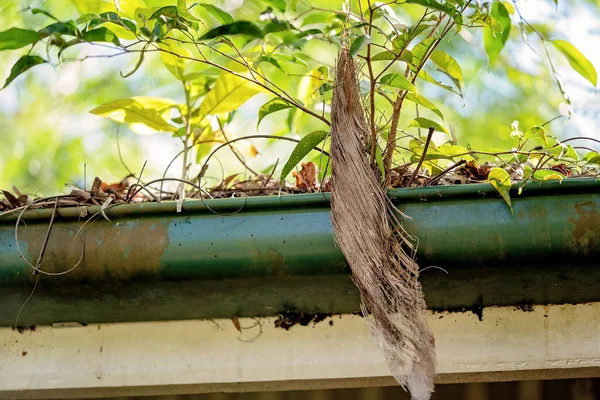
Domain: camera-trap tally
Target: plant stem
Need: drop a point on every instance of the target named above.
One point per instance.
(186, 140)
(429, 135)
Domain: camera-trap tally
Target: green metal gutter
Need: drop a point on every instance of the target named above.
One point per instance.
(266, 255)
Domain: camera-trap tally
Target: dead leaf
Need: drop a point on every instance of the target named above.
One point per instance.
(96, 186)
(307, 177)
(81, 195)
(253, 151)
(12, 200)
(562, 168)
(476, 172)
(236, 323)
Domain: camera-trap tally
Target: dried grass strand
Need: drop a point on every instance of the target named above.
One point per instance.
(379, 251)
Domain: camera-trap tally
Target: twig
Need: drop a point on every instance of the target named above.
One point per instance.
(272, 172)
(444, 172)
(429, 135)
(234, 150)
(138, 182)
(45, 244)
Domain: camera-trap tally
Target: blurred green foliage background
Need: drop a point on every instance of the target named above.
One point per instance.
(48, 134)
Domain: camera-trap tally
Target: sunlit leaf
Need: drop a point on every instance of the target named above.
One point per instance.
(150, 111)
(398, 81)
(388, 55)
(577, 60)
(22, 65)
(428, 78)
(537, 131)
(235, 28)
(500, 180)
(166, 11)
(172, 57)
(184, 13)
(454, 150)
(272, 106)
(420, 100)
(448, 65)
(426, 124)
(307, 143)
(209, 138)
(592, 157)
(421, 50)
(15, 38)
(125, 8)
(311, 83)
(493, 41)
(279, 5)
(358, 44)
(223, 17)
(228, 93)
(571, 153)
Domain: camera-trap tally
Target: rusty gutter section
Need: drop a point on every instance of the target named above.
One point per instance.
(268, 255)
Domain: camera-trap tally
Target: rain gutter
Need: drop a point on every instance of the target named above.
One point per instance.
(263, 256)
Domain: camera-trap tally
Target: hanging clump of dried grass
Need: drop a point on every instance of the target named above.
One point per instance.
(380, 253)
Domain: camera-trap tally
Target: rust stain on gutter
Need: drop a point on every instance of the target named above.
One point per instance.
(112, 251)
(585, 235)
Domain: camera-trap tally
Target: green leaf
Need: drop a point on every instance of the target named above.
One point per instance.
(62, 28)
(184, 13)
(398, 81)
(167, 11)
(447, 8)
(43, 12)
(15, 38)
(417, 98)
(571, 153)
(388, 55)
(279, 5)
(235, 28)
(527, 173)
(592, 158)
(101, 35)
(228, 93)
(268, 59)
(426, 124)
(22, 65)
(310, 83)
(548, 175)
(577, 60)
(272, 106)
(421, 49)
(428, 78)
(137, 65)
(358, 44)
(494, 42)
(150, 111)
(453, 151)
(305, 145)
(448, 65)
(223, 17)
(500, 180)
(537, 131)
(171, 57)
